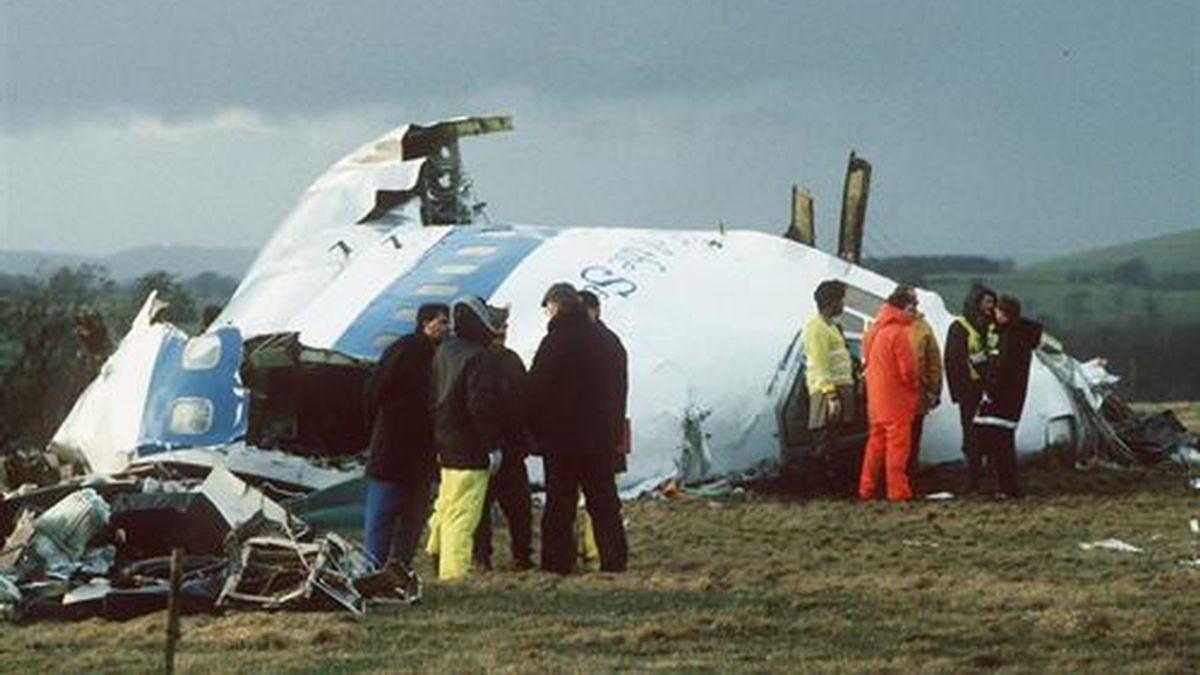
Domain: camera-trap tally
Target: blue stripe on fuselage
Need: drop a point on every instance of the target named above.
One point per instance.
(470, 260)
(170, 381)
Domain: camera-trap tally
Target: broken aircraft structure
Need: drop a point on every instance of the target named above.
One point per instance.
(271, 389)
(270, 392)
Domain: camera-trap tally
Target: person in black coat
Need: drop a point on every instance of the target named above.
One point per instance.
(572, 413)
(1004, 391)
(619, 359)
(510, 486)
(969, 343)
(401, 460)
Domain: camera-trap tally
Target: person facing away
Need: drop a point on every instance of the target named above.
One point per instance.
(893, 393)
(829, 375)
(970, 341)
(572, 413)
(401, 460)
(929, 373)
(468, 432)
(1004, 391)
(619, 360)
(589, 553)
(510, 486)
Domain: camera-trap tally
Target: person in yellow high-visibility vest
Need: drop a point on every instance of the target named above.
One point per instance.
(829, 374)
(468, 432)
(970, 343)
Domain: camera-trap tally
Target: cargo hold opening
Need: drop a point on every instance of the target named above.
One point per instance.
(304, 401)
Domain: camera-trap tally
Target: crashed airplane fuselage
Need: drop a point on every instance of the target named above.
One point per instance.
(711, 321)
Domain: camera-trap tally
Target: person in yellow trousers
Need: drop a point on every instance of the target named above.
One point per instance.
(468, 432)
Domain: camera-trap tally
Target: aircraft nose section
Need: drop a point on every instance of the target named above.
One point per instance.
(194, 398)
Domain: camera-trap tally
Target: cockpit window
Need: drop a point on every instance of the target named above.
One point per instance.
(202, 352)
(191, 415)
(862, 302)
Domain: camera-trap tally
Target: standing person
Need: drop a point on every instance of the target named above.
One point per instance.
(468, 432)
(929, 372)
(572, 408)
(589, 551)
(893, 390)
(1004, 392)
(829, 374)
(401, 460)
(510, 486)
(969, 343)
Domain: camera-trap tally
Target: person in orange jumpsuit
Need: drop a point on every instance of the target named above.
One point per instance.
(893, 395)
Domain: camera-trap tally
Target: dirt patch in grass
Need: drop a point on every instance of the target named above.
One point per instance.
(754, 583)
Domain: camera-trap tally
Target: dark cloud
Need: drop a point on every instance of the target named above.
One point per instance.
(656, 112)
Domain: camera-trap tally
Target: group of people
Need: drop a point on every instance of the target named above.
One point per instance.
(453, 409)
(988, 350)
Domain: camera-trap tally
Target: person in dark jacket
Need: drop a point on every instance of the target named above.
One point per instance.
(572, 412)
(510, 486)
(589, 552)
(970, 342)
(468, 432)
(619, 359)
(400, 458)
(1004, 391)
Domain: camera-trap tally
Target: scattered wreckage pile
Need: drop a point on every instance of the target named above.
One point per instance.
(101, 547)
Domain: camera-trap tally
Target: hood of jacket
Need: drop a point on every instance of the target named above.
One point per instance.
(890, 314)
(970, 306)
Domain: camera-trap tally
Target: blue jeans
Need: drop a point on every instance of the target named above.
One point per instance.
(394, 516)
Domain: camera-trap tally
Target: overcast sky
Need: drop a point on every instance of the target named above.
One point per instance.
(1014, 128)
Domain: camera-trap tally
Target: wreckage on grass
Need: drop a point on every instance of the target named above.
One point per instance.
(711, 320)
(271, 390)
(104, 546)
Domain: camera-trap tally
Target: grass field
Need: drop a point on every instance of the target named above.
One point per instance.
(753, 583)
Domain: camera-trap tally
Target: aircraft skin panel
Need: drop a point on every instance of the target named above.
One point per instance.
(193, 395)
(105, 423)
(706, 319)
(343, 195)
(275, 293)
(469, 260)
(335, 306)
(710, 320)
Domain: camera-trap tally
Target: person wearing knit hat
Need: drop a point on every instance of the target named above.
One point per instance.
(509, 487)
(468, 432)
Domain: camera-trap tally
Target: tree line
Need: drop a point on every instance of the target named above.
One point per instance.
(57, 330)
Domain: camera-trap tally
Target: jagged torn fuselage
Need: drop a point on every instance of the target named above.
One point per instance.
(711, 322)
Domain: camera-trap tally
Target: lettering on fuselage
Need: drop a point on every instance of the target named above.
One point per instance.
(615, 276)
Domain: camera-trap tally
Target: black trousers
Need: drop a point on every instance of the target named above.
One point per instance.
(999, 444)
(970, 444)
(841, 465)
(510, 488)
(566, 475)
(914, 455)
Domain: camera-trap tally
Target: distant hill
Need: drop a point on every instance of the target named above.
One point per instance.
(184, 261)
(1156, 261)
